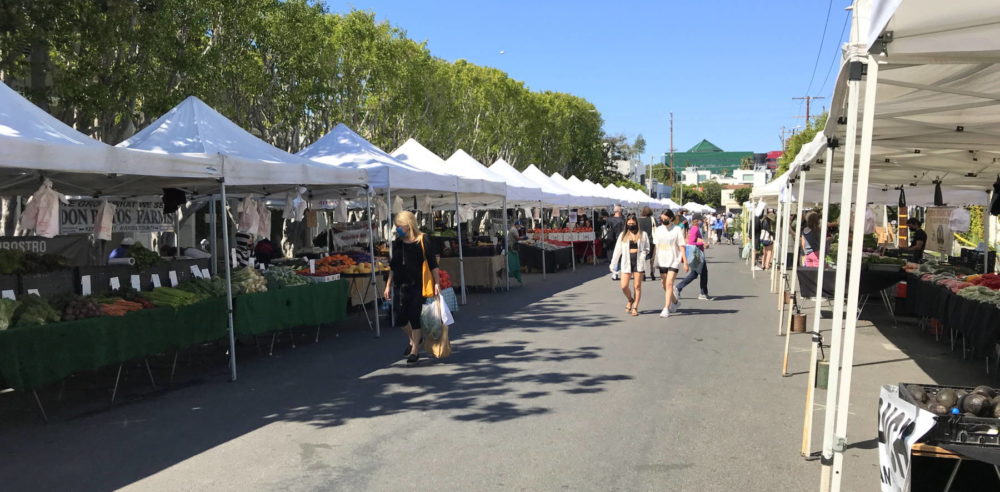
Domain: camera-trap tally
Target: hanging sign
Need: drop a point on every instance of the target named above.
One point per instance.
(156, 280)
(134, 281)
(78, 249)
(900, 425)
(572, 217)
(172, 275)
(82, 216)
(937, 225)
(8, 294)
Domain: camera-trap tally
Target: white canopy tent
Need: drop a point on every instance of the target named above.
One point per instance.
(579, 197)
(532, 194)
(928, 76)
(192, 128)
(344, 148)
(486, 182)
(35, 144)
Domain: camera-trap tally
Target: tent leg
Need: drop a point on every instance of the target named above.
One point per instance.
(371, 252)
(572, 248)
(461, 257)
(817, 340)
(506, 244)
(861, 198)
(227, 264)
(795, 271)
(541, 213)
(846, 196)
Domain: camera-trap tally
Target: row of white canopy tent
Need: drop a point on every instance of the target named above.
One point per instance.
(915, 105)
(194, 148)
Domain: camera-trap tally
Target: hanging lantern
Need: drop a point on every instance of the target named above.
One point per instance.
(901, 218)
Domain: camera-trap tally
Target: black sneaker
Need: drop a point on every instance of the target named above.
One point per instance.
(412, 359)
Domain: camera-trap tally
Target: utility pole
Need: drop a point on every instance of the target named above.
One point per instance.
(807, 99)
(673, 176)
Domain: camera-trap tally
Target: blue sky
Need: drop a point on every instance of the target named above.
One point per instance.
(727, 69)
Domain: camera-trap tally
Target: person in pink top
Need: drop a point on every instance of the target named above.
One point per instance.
(696, 246)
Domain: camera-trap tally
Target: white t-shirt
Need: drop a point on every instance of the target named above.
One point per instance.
(669, 243)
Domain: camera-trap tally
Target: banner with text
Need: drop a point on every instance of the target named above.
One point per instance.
(80, 216)
(900, 425)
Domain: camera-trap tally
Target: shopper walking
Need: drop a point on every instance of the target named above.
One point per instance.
(629, 260)
(613, 228)
(646, 226)
(718, 227)
(767, 240)
(413, 277)
(668, 239)
(695, 253)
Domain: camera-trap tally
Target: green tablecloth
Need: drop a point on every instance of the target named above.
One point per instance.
(34, 356)
(305, 305)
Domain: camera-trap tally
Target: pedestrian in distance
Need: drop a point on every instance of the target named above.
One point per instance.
(718, 227)
(413, 277)
(767, 239)
(613, 228)
(646, 225)
(810, 241)
(629, 260)
(695, 252)
(669, 242)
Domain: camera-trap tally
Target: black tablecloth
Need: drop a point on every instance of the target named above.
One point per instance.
(977, 321)
(555, 260)
(871, 281)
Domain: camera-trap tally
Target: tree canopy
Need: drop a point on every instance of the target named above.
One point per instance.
(794, 144)
(288, 71)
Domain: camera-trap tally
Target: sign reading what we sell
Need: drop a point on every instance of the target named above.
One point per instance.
(80, 216)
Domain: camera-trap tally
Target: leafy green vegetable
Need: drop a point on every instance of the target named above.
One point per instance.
(7, 309)
(35, 311)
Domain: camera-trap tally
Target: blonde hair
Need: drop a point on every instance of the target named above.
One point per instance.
(406, 218)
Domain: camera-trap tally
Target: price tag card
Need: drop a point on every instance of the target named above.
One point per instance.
(232, 254)
(116, 284)
(33, 292)
(156, 280)
(85, 285)
(173, 278)
(195, 271)
(8, 294)
(251, 261)
(205, 273)
(312, 266)
(134, 281)
(261, 266)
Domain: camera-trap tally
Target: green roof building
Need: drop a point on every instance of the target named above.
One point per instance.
(706, 156)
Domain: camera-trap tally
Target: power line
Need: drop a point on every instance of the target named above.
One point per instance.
(822, 40)
(837, 55)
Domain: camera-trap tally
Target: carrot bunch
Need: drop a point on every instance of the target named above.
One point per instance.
(120, 307)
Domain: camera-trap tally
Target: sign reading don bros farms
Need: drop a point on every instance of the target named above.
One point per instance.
(80, 216)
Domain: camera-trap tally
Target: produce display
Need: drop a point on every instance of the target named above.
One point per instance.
(982, 401)
(75, 307)
(119, 307)
(7, 309)
(884, 260)
(988, 280)
(15, 261)
(280, 277)
(205, 288)
(144, 258)
(981, 294)
(35, 311)
(172, 297)
(248, 281)
(936, 268)
(351, 262)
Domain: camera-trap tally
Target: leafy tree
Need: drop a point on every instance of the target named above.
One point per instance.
(741, 195)
(712, 191)
(794, 144)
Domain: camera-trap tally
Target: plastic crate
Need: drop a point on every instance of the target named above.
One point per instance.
(956, 429)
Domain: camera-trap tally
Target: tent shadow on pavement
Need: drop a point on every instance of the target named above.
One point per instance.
(346, 377)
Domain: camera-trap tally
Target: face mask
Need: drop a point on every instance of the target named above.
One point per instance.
(400, 232)
(633, 228)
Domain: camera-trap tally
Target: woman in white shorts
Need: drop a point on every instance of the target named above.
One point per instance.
(669, 240)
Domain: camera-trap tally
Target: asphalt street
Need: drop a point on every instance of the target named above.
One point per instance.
(551, 386)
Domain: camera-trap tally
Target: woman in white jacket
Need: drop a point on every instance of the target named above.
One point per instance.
(629, 258)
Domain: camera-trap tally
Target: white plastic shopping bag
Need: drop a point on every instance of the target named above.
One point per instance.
(446, 316)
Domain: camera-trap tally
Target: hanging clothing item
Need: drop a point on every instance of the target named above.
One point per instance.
(938, 198)
(428, 205)
(381, 208)
(295, 205)
(869, 221)
(397, 205)
(173, 199)
(340, 214)
(105, 220)
(263, 221)
(248, 216)
(41, 213)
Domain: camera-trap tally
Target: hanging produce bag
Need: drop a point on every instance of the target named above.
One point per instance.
(450, 299)
(439, 346)
(430, 319)
(695, 257)
(104, 221)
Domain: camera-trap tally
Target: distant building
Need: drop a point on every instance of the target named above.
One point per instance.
(706, 156)
(771, 159)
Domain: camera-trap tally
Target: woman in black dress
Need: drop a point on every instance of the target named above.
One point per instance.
(406, 273)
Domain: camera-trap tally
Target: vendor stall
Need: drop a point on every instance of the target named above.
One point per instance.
(480, 271)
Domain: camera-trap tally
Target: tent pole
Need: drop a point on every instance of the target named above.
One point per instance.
(846, 195)
(752, 218)
(213, 235)
(506, 243)
(226, 258)
(461, 258)
(371, 253)
(541, 216)
(795, 268)
(817, 311)
(861, 198)
(786, 217)
(572, 247)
